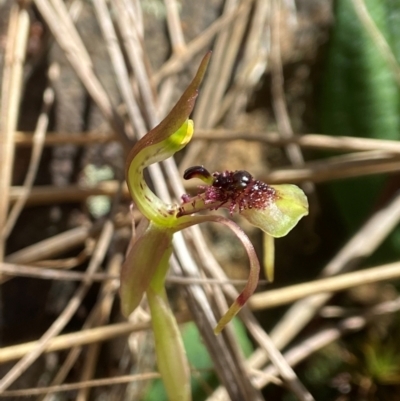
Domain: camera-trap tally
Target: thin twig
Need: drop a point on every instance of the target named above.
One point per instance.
(313, 141)
(81, 337)
(76, 350)
(178, 62)
(12, 88)
(278, 91)
(278, 360)
(220, 69)
(224, 360)
(72, 356)
(253, 63)
(135, 55)
(273, 298)
(328, 335)
(18, 270)
(339, 167)
(118, 62)
(285, 128)
(44, 273)
(73, 193)
(175, 27)
(314, 343)
(38, 139)
(362, 245)
(51, 247)
(104, 303)
(214, 269)
(65, 35)
(81, 385)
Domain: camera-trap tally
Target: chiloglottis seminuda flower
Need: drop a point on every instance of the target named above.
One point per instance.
(275, 209)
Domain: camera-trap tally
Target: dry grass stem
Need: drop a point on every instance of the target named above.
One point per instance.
(96, 317)
(68, 39)
(219, 73)
(120, 68)
(66, 315)
(105, 301)
(96, 111)
(282, 366)
(328, 335)
(259, 335)
(175, 27)
(317, 341)
(44, 273)
(135, 54)
(178, 62)
(278, 91)
(38, 143)
(17, 38)
(313, 141)
(273, 298)
(224, 360)
(41, 195)
(362, 245)
(81, 385)
(51, 247)
(338, 167)
(314, 343)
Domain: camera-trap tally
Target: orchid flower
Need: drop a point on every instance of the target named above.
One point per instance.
(274, 209)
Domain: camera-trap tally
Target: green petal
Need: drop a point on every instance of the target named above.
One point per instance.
(281, 215)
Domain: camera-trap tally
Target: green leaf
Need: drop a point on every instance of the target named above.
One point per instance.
(360, 96)
(141, 263)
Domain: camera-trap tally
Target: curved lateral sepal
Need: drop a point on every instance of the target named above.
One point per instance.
(254, 273)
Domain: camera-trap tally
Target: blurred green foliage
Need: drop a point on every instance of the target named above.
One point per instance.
(360, 97)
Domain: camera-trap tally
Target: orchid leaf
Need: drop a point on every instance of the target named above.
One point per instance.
(281, 214)
(141, 263)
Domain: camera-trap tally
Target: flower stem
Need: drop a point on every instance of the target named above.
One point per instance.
(171, 355)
